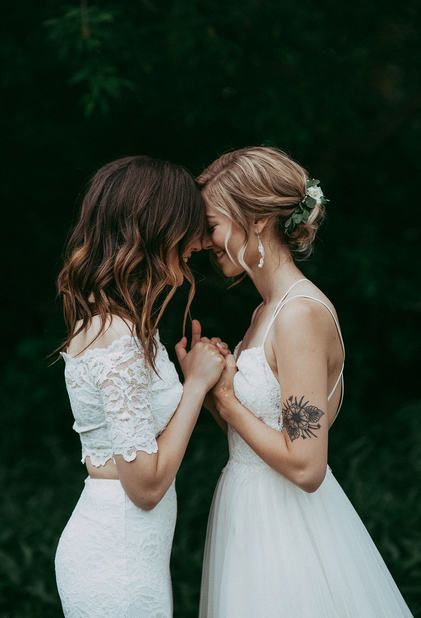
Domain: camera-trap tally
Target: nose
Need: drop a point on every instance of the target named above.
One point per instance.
(206, 242)
(196, 246)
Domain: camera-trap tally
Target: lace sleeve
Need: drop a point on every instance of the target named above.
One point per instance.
(125, 386)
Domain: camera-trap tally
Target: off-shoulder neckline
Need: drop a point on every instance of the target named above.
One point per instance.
(103, 349)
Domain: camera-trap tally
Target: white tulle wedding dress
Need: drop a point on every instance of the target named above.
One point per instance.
(275, 551)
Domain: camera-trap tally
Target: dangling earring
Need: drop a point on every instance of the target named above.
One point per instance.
(261, 251)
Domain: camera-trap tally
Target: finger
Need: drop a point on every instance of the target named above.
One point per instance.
(218, 341)
(205, 340)
(196, 332)
(221, 358)
(230, 363)
(223, 348)
(215, 351)
(180, 349)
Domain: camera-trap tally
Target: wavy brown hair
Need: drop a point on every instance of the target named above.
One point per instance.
(137, 218)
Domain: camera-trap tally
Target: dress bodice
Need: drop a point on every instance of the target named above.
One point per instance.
(120, 405)
(256, 387)
(258, 390)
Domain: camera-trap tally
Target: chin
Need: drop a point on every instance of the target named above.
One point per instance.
(231, 270)
(225, 264)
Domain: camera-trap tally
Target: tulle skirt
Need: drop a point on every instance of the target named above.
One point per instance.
(112, 559)
(275, 551)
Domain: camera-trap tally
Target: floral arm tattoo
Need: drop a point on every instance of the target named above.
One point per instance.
(300, 418)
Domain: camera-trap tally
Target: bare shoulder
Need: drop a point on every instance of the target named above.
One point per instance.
(305, 319)
(116, 327)
(95, 337)
(300, 313)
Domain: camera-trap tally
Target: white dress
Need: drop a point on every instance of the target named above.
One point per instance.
(276, 551)
(112, 559)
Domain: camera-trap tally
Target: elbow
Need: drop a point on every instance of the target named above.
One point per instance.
(147, 505)
(311, 485)
(142, 483)
(145, 499)
(310, 479)
(148, 500)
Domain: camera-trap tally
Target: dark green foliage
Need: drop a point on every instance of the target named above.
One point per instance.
(303, 211)
(335, 84)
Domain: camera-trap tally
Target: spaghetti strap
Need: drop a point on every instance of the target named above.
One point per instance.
(282, 304)
(278, 308)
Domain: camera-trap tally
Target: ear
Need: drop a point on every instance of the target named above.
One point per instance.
(260, 224)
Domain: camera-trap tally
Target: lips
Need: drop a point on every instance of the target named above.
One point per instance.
(219, 255)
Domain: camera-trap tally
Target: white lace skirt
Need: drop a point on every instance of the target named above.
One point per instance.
(275, 551)
(112, 559)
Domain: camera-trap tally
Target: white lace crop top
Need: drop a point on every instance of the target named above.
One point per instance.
(119, 404)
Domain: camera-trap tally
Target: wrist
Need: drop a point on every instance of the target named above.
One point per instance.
(195, 388)
(225, 404)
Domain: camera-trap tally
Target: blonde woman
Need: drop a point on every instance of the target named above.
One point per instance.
(139, 223)
(283, 539)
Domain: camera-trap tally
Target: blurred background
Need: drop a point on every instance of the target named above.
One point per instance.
(335, 84)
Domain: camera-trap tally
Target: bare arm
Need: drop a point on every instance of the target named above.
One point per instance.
(147, 478)
(299, 451)
(146, 466)
(209, 402)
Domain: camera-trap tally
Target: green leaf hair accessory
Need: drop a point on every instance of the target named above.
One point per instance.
(314, 196)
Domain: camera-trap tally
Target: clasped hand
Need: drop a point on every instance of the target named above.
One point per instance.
(211, 362)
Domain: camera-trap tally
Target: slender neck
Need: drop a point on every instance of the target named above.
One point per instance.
(278, 273)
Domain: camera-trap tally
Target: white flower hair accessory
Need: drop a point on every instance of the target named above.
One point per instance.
(314, 196)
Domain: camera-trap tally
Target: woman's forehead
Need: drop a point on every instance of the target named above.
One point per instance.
(213, 213)
(210, 213)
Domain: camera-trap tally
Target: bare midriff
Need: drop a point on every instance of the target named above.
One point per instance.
(107, 471)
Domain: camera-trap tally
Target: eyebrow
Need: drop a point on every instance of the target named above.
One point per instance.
(211, 216)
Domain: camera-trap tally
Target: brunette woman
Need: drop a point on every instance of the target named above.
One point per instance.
(139, 223)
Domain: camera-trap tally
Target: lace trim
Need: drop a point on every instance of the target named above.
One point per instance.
(100, 459)
(98, 351)
(108, 348)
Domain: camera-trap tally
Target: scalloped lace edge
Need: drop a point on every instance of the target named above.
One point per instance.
(128, 455)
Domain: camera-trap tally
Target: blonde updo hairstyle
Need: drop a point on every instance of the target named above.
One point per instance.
(261, 182)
